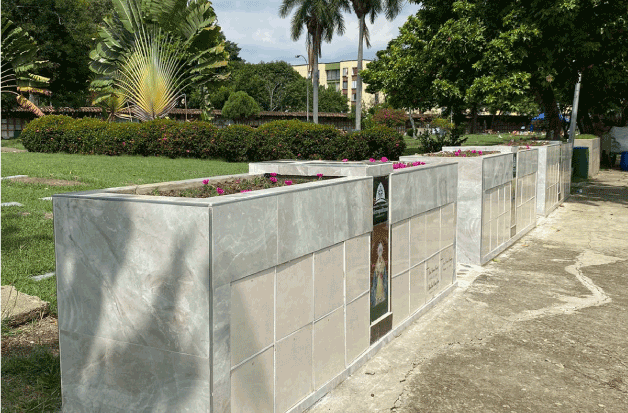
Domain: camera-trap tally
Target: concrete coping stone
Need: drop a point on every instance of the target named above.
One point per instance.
(329, 168)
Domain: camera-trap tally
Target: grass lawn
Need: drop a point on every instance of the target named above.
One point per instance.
(27, 237)
(12, 143)
(30, 376)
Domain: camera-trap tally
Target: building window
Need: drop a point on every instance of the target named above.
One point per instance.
(354, 84)
(345, 84)
(355, 71)
(345, 71)
(353, 97)
(333, 74)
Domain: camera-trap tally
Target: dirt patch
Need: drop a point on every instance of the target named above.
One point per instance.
(19, 341)
(14, 150)
(48, 181)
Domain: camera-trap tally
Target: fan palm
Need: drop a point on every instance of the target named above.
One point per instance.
(362, 8)
(150, 51)
(321, 19)
(18, 55)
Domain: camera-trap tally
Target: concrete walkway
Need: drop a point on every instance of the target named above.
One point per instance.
(542, 328)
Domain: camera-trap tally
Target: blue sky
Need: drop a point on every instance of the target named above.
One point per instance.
(263, 36)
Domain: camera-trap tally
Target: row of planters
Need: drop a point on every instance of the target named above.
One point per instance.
(237, 143)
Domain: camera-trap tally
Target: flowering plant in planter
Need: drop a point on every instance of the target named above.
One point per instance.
(230, 186)
(460, 153)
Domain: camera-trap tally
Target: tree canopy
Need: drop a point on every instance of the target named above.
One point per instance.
(507, 55)
(275, 86)
(65, 31)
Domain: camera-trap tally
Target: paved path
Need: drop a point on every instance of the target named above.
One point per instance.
(543, 328)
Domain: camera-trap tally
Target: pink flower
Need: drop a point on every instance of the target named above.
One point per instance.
(288, 182)
(273, 174)
(205, 181)
(187, 150)
(527, 146)
(473, 151)
(165, 139)
(123, 143)
(220, 191)
(417, 163)
(273, 179)
(319, 175)
(345, 160)
(384, 159)
(480, 152)
(372, 160)
(245, 190)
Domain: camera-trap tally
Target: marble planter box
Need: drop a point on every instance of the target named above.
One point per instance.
(495, 206)
(594, 154)
(550, 191)
(251, 302)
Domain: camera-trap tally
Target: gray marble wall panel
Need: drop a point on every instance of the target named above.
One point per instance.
(421, 188)
(545, 157)
(135, 273)
(99, 374)
(310, 220)
(594, 153)
(352, 209)
(527, 162)
(469, 211)
(244, 238)
(497, 169)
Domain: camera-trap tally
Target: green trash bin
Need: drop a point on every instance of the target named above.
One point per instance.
(580, 162)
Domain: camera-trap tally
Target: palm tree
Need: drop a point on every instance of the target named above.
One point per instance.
(18, 53)
(361, 8)
(321, 19)
(150, 51)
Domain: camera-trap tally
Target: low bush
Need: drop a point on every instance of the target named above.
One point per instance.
(375, 142)
(237, 143)
(434, 143)
(46, 134)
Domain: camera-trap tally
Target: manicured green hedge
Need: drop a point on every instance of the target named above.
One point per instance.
(275, 140)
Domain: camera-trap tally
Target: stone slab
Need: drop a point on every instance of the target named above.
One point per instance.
(19, 308)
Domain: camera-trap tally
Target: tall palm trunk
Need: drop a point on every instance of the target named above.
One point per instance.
(358, 92)
(315, 87)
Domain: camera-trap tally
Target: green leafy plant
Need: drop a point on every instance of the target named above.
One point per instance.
(151, 51)
(18, 54)
(390, 117)
(239, 106)
(235, 142)
(376, 142)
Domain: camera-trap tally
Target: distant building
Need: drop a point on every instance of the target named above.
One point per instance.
(344, 77)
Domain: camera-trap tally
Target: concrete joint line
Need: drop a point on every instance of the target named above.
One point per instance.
(571, 305)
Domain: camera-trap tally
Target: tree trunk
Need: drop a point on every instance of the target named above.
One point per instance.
(358, 92)
(474, 124)
(412, 123)
(546, 98)
(315, 88)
